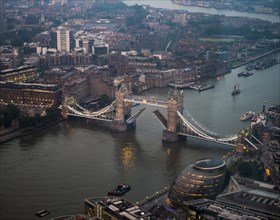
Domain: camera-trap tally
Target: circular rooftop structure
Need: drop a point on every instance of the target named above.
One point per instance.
(209, 164)
(202, 179)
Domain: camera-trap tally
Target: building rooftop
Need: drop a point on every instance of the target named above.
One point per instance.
(259, 197)
(12, 85)
(22, 68)
(206, 164)
(119, 207)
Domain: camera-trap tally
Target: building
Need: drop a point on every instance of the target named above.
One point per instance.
(30, 95)
(100, 48)
(181, 19)
(211, 210)
(66, 59)
(251, 195)
(63, 39)
(100, 81)
(243, 199)
(114, 208)
(8, 58)
(61, 2)
(266, 125)
(202, 179)
(20, 75)
(219, 56)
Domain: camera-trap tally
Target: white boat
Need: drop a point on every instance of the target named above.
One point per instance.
(248, 115)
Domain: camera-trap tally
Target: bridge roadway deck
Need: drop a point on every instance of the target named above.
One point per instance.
(91, 117)
(146, 100)
(201, 138)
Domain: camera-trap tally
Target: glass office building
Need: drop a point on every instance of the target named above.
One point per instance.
(202, 179)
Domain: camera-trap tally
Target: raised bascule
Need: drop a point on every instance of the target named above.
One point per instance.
(178, 124)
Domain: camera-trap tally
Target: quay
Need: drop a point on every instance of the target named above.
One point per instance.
(201, 88)
(206, 88)
(181, 85)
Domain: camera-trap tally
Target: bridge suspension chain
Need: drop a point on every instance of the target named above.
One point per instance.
(194, 129)
(102, 111)
(202, 133)
(90, 113)
(202, 127)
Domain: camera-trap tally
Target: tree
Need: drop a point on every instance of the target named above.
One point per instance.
(244, 169)
(27, 122)
(38, 119)
(2, 120)
(8, 118)
(17, 42)
(14, 110)
(104, 100)
(53, 114)
(31, 19)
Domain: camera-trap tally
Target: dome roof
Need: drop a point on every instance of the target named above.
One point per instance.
(202, 179)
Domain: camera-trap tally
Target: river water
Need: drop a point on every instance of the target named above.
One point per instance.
(57, 168)
(167, 4)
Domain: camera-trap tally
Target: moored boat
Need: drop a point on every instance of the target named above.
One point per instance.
(42, 213)
(248, 115)
(245, 74)
(119, 190)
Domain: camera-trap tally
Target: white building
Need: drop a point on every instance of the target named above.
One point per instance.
(63, 39)
(61, 2)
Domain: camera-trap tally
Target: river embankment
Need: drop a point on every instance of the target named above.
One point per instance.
(16, 133)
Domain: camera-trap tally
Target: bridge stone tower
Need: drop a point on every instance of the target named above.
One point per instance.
(67, 101)
(175, 103)
(123, 109)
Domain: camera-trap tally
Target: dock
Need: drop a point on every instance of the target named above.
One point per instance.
(206, 88)
(201, 88)
(181, 85)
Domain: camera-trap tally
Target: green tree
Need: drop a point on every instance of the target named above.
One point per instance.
(245, 169)
(14, 110)
(38, 119)
(31, 19)
(8, 118)
(2, 120)
(27, 122)
(104, 100)
(17, 42)
(53, 113)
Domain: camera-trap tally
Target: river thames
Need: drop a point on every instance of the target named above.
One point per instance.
(167, 4)
(57, 168)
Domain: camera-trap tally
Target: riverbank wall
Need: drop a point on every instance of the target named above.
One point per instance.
(22, 132)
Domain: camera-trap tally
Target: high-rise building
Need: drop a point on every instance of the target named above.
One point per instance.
(63, 39)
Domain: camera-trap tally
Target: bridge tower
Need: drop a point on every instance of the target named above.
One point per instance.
(123, 109)
(67, 102)
(175, 103)
(64, 111)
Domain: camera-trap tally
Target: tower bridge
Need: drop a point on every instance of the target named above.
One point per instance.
(178, 124)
